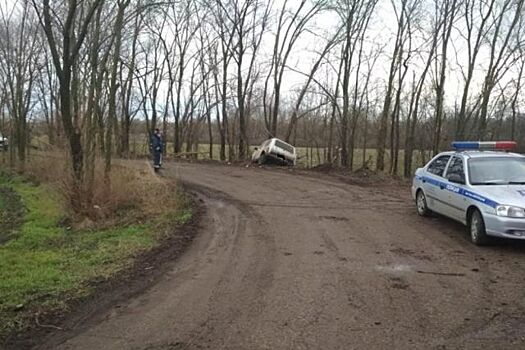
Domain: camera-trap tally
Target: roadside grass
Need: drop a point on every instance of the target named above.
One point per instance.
(11, 212)
(49, 264)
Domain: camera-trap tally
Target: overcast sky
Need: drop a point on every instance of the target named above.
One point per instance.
(382, 31)
(383, 27)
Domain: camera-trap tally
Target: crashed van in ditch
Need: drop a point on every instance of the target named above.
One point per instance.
(275, 151)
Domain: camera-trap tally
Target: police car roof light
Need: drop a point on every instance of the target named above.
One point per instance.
(484, 146)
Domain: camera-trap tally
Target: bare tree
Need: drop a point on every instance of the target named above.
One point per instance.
(502, 47)
(417, 90)
(65, 40)
(249, 28)
(403, 14)
(112, 117)
(330, 44)
(222, 57)
(289, 30)
(448, 10)
(475, 33)
(20, 48)
(127, 76)
(518, 85)
(356, 17)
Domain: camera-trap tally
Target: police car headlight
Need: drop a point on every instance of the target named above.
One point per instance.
(510, 211)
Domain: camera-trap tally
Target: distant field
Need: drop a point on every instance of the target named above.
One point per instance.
(308, 158)
(312, 157)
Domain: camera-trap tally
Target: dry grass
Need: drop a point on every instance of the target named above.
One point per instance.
(134, 192)
(135, 185)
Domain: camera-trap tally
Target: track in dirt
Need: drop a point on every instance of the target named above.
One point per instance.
(287, 261)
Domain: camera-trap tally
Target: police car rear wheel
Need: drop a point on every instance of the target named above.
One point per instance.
(421, 203)
(478, 234)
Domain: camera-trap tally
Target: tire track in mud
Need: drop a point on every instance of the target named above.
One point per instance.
(258, 275)
(200, 284)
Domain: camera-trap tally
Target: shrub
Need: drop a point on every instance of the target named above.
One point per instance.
(133, 192)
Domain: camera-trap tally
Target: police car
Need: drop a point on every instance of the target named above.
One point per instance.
(480, 184)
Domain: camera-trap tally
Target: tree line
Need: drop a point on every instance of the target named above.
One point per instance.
(341, 76)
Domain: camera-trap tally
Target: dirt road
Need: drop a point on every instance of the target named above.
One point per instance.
(286, 261)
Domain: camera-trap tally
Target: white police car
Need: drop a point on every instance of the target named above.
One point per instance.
(479, 184)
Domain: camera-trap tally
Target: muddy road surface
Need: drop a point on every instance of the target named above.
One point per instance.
(288, 261)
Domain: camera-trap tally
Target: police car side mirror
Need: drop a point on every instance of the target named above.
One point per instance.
(456, 178)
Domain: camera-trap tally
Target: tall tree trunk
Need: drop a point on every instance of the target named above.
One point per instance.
(112, 117)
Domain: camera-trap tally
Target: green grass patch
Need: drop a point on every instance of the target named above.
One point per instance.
(184, 215)
(11, 213)
(47, 264)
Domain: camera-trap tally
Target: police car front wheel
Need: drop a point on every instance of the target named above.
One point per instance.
(478, 234)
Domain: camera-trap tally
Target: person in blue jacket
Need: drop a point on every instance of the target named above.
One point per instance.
(157, 146)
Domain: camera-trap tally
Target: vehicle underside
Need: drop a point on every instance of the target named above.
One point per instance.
(273, 159)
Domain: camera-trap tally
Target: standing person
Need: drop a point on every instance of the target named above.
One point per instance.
(157, 146)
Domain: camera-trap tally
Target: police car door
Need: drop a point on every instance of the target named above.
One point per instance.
(434, 184)
(456, 203)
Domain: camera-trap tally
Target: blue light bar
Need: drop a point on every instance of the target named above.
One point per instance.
(474, 145)
(465, 145)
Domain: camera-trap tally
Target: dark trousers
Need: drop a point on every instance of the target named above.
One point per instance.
(157, 159)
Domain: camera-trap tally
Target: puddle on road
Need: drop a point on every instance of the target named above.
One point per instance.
(396, 268)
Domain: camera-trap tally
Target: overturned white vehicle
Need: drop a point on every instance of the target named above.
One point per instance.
(275, 151)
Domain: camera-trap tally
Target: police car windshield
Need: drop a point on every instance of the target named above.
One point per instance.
(497, 171)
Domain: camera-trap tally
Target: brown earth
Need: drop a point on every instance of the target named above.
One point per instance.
(289, 260)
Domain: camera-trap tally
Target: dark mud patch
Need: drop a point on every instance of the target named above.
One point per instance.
(410, 253)
(399, 283)
(334, 218)
(12, 213)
